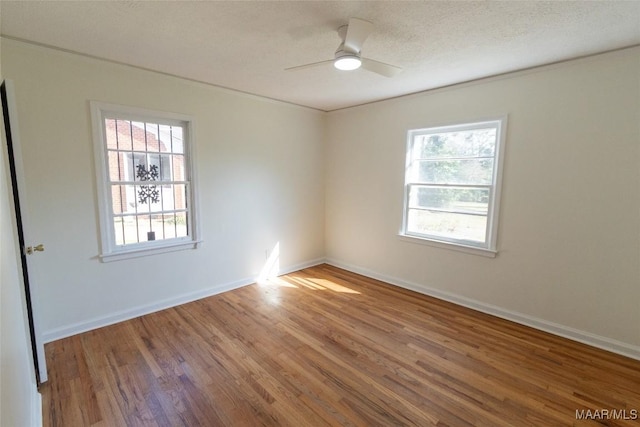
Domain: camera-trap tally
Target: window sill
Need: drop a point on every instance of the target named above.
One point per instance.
(489, 253)
(141, 252)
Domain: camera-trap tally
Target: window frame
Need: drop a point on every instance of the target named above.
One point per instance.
(489, 247)
(109, 250)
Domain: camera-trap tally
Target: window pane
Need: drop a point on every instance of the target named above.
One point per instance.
(459, 199)
(176, 142)
(447, 225)
(116, 166)
(118, 134)
(471, 171)
(118, 227)
(125, 130)
(464, 143)
(178, 168)
(162, 163)
(147, 197)
(165, 136)
(124, 198)
(180, 196)
(144, 228)
(110, 131)
(138, 136)
(145, 225)
(129, 227)
(169, 226)
(181, 224)
(119, 199)
(165, 167)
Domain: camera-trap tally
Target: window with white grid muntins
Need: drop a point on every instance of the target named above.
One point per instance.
(147, 179)
(146, 176)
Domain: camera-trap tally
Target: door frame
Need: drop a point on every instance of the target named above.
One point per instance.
(18, 187)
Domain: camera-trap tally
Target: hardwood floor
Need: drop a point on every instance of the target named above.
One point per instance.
(325, 347)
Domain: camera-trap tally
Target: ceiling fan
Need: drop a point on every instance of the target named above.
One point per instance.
(348, 56)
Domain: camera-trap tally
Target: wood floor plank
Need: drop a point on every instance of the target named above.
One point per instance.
(327, 347)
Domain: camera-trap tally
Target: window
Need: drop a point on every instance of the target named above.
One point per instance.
(145, 181)
(452, 184)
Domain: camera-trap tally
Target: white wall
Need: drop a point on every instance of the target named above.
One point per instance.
(569, 236)
(19, 399)
(260, 172)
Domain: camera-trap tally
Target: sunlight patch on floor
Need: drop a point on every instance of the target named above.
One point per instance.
(316, 284)
(277, 281)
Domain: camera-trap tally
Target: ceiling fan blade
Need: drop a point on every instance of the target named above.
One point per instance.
(312, 65)
(381, 68)
(357, 32)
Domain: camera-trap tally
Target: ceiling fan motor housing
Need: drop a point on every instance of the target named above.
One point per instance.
(346, 61)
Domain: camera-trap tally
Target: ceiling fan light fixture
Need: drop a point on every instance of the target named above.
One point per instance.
(347, 63)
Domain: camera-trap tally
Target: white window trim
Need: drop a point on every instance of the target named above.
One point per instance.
(473, 250)
(490, 250)
(109, 251)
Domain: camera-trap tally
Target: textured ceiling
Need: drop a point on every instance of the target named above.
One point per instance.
(247, 45)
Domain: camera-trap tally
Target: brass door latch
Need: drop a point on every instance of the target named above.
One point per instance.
(31, 249)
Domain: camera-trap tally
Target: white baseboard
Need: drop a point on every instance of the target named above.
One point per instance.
(99, 322)
(588, 338)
